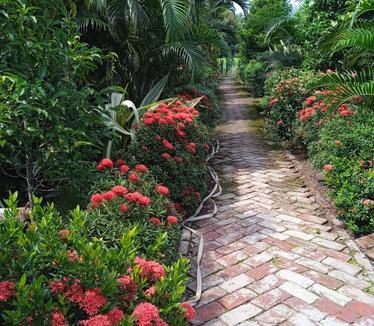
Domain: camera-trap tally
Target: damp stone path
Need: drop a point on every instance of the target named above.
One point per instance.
(270, 256)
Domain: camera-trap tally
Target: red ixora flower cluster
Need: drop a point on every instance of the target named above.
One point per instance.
(313, 104)
(162, 190)
(128, 287)
(91, 301)
(149, 269)
(322, 101)
(344, 111)
(112, 318)
(146, 314)
(105, 163)
(168, 114)
(7, 290)
(189, 311)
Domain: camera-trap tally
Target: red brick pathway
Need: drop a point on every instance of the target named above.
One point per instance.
(270, 257)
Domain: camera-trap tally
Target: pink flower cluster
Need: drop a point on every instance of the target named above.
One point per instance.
(149, 269)
(7, 290)
(146, 314)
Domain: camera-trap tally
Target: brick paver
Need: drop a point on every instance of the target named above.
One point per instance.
(270, 256)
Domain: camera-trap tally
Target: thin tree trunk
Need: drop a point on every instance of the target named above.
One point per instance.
(29, 179)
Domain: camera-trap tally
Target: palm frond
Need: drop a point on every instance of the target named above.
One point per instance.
(347, 84)
(279, 23)
(360, 38)
(175, 16)
(188, 52)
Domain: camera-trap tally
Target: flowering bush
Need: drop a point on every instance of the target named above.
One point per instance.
(173, 143)
(286, 99)
(344, 149)
(54, 273)
(318, 110)
(127, 196)
(207, 107)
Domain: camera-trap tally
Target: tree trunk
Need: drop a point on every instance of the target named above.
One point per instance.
(29, 179)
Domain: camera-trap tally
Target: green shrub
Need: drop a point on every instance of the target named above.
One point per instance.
(50, 128)
(253, 76)
(346, 145)
(352, 187)
(53, 273)
(173, 143)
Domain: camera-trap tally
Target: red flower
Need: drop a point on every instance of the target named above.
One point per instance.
(162, 190)
(120, 162)
(144, 201)
(75, 292)
(124, 169)
(96, 199)
(346, 113)
(191, 147)
(158, 137)
(99, 320)
(151, 270)
(146, 314)
(64, 234)
(133, 196)
(167, 144)
(328, 167)
(92, 301)
(29, 320)
(7, 290)
(57, 286)
(155, 221)
(115, 316)
(178, 159)
(280, 123)
(172, 220)
(58, 319)
(106, 163)
(166, 155)
(127, 284)
(338, 142)
(206, 146)
(148, 121)
(100, 167)
(120, 190)
(73, 256)
(123, 208)
(133, 177)
(189, 311)
(141, 168)
(109, 195)
(179, 133)
(150, 292)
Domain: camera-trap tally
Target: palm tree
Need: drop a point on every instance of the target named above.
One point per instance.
(148, 39)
